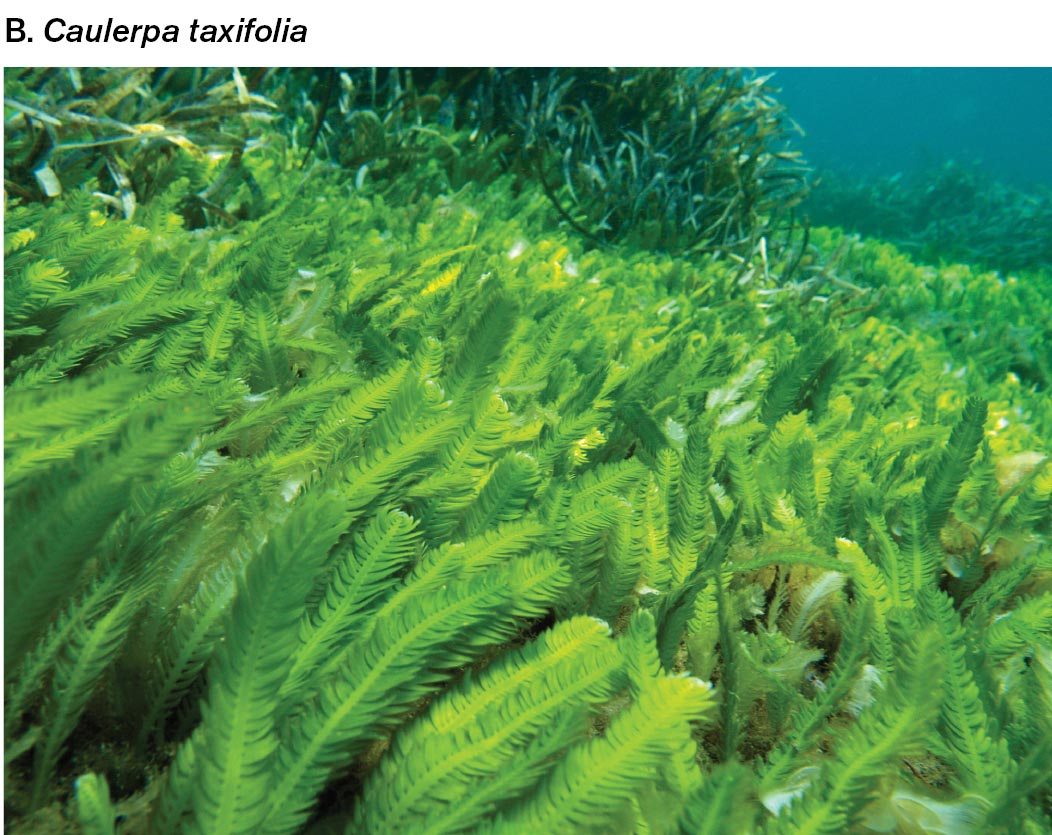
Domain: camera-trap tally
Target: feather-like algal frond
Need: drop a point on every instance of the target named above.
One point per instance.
(796, 379)
(1026, 624)
(237, 738)
(269, 365)
(593, 785)
(806, 604)
(945, 475)
(188, 647)
(476, 731)
(448, 491)
(640, 650)
(702, 631)
(416, 641)
(28, 678)
(504, 495)
(464, 559)
(676, 608)
(622, 565)
(51, 425)
(975, 746)
(744, 483)
(919, 555)
(94, 810)
(90, 651)
(690, 518)
(401, 443)
(871, 583)
(361, 579)
(532, 762)
(721, 806)
(843, 482)
(483, 332)
(70, 513)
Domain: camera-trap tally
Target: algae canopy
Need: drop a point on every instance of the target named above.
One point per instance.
(513, 451)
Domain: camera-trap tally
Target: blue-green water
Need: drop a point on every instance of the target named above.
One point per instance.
(882, 121)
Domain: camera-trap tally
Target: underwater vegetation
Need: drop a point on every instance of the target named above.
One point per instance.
(129, 132)
(685, 160)
(353, 493)
(664, 158)
(953, 212)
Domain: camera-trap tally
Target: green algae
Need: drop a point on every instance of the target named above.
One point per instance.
(391, 500)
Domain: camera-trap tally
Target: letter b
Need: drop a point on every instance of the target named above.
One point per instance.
(16, 30)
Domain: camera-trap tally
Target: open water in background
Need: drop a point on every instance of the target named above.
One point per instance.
(883, 121)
